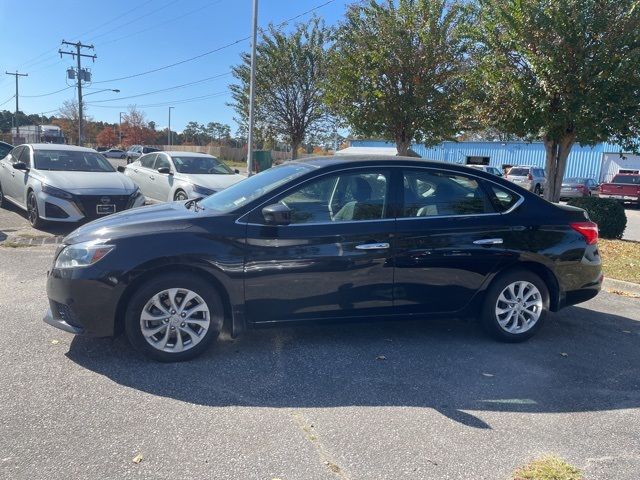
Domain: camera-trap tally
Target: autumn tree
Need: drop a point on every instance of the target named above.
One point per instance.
(395, 72)
(290, 74)
(67, 120)
(108, 137)
(135, 129)
(562, 71)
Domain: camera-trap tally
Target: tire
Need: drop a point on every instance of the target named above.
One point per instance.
(33, 212)
(537, 190)
(493, 303)
(153, 293)
(2, 201)
(180, 196)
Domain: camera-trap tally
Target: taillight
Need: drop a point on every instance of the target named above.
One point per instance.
(530, 177)
(588, 230)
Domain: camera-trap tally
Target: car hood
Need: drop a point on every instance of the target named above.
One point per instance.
(88, 183)
(148, 220)
(212, 181)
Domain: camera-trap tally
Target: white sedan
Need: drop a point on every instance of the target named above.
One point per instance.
(176, 176)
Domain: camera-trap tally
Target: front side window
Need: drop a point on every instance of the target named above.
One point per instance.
(433, 193)
(201, 165)
(340, 197)
(162, 162)
(25, 157)
(71, 160)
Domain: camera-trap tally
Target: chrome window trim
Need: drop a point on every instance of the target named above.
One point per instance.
(519, 202)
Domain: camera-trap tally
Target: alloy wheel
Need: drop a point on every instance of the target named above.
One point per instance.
(181, 196)
(175, 320)
(518, 307)
(32, 209)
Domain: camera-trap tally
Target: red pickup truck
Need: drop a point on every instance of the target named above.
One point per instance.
(624, 187)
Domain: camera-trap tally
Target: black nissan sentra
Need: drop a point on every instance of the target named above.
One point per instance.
(322, 240)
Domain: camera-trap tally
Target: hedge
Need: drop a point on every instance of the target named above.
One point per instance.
(608, 214)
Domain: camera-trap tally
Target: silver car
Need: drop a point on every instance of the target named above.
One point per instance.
(486, 168)
(174, 176)
(114, 153)
(578, 187)
(62, 183)
(531, 178)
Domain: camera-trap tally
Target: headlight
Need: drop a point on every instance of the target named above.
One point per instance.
(56, 192)
(82, 254)
(203, 191)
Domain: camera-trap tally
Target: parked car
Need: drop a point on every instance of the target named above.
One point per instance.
(326, 239)
(61, 183)
(578, 187)
(488, 169)
(530, 178)
(624, 187)
(5, 148)
(101, 149)
(135, 151)
(169, 176)
(114, 153)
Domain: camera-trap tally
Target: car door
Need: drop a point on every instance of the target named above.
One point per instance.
(20, 178)
(449, 237)
(142, 173)
(333, 260)
(162, 182)
(7, 172)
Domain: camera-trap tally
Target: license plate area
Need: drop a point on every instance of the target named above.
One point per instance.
(105, 209)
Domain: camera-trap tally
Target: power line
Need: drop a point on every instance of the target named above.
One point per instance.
(164, 89)
(50, 93)
(8, 100)
(240, 40)
(167, 103)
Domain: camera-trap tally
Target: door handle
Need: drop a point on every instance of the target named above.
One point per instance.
(488, 241)
(135, 170)
(152, 177)
(372, 246)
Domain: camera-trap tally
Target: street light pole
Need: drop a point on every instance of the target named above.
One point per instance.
(169, 132)
(252, 92)
(120, 129)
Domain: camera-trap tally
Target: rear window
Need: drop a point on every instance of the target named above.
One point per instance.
(627, 179)
(519, 172)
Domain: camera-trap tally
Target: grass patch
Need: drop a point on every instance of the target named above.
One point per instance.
(548, 468)
(620, 259)
(12, 244)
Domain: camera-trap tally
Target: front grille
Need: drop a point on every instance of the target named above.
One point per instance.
(63, 312)
(87, 203)
(54, 211)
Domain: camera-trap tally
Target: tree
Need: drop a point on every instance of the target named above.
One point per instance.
(395, 72)
(290, 73)
(68, 120)
(107, 137)
(563, 71)
(135, 128)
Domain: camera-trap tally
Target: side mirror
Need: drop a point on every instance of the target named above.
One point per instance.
(20, 166)
(236, 170)
(165, 170)
(121, 169)
(277, 214)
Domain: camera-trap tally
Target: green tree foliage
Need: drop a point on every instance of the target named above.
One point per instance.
(290, 73)
(563, 71)
(395, 72)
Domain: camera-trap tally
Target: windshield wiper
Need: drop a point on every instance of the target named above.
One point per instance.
(194, 202)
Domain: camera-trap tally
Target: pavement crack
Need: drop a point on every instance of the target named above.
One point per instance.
(326, 458)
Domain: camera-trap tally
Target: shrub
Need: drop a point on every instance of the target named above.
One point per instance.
(548, 468)
(608, 214)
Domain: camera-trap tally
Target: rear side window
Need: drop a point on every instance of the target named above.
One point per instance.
(15, 154)
(433, 193)
(501, 199)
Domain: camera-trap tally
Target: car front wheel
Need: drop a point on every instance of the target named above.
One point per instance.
(516, 306)
(1, 197)
(172, 318)
(33, 212)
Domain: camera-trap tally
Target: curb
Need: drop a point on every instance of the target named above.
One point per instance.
(630, 287)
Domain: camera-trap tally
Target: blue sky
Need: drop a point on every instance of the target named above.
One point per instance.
(131, 37)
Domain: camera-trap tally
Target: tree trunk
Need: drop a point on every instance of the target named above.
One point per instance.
(403, 146)
(295, 145)
(557, 153)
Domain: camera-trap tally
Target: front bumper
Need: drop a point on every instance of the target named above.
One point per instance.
(61, 324)
(81, 207)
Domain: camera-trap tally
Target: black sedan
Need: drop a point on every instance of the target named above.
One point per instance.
(323, 240)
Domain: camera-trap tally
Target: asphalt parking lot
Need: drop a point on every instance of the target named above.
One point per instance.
(410, 400)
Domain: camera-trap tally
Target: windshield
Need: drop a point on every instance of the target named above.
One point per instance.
(71, 160)
(627, 179)
(247, 190)
(200, 165)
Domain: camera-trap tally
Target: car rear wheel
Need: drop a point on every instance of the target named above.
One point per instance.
(537, 190)
(516, 306)
(174, 318)
(1, 197)
(180, 196)
(32, 211)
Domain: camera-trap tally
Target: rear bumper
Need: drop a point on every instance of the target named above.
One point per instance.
(622, 198)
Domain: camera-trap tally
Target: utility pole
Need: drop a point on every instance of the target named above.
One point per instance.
(252, 92)
(120, 129)
(80, 76)
(169, 133)
(17, 122)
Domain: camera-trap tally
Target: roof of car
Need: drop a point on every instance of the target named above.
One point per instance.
(178, 153)
(58, 146)
(340, 159)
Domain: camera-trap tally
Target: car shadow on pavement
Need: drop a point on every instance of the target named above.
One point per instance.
(582, 360)
(57, 229)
